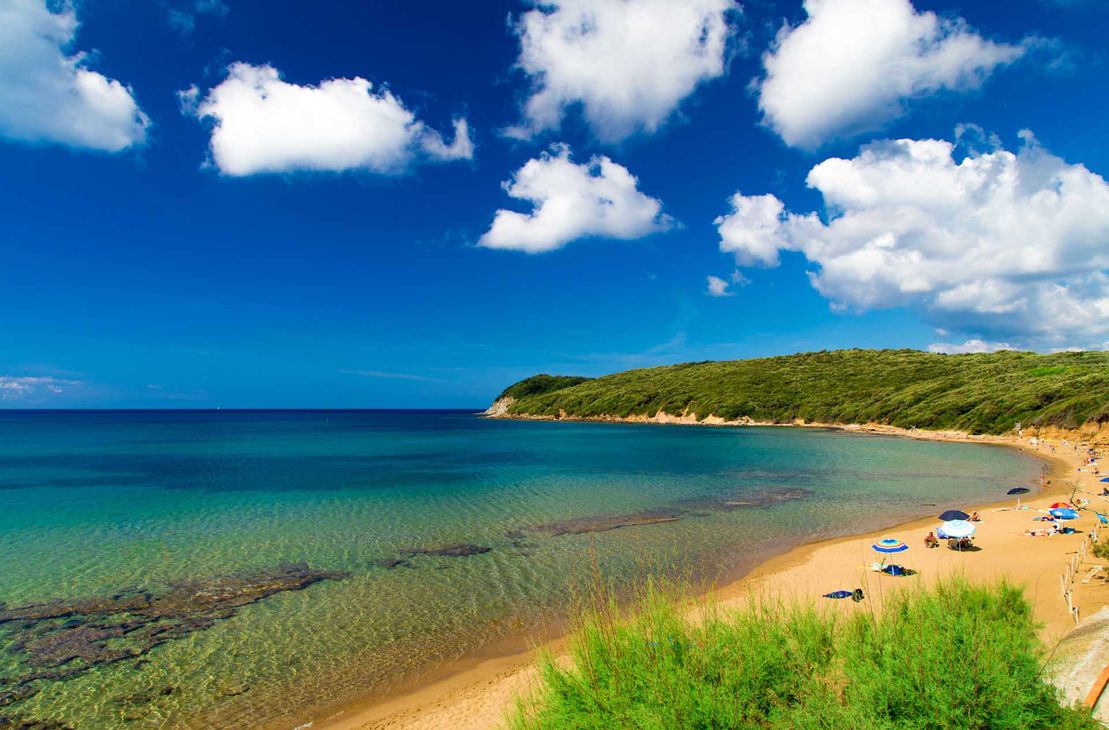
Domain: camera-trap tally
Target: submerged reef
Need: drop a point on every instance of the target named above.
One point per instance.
(459, 550)
(60, 639)
(685, 508)
(603, 523)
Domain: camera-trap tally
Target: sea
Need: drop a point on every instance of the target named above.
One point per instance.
(234, 569)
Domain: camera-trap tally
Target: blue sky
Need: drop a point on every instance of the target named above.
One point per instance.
(228, 218)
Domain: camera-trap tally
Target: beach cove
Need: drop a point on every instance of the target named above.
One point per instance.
(480, 694)
(366, 553)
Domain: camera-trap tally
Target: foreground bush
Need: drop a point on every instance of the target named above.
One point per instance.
(957, 656)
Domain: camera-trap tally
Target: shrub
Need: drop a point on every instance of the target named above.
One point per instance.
(956, 656)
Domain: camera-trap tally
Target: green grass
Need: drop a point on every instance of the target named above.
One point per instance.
(955, 656)
(981, 393)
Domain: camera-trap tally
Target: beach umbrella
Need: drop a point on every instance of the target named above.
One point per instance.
(1104, 479)
(889, 545)
(1061, 505)
(1063, 514)
(954, 514)
(957, 528)
(1019, 491)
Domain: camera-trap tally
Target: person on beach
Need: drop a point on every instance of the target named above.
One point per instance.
(931, 541)
(975, 518)
(1048, 532)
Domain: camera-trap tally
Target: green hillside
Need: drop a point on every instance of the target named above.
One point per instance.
(982, 393)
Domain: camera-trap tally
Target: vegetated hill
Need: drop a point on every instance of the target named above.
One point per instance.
(539, 384)
(979, 393)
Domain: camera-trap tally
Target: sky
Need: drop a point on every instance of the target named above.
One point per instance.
(239, 204)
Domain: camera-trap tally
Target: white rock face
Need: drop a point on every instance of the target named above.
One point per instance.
(499, 409)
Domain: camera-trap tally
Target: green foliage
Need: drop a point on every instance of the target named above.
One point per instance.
(539, 384)
(1101, 549)
(979, 393)
(1044, 371)
(956, 656)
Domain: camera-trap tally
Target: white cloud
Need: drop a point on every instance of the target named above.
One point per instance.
(188, 100)
(970, 346)
(47, 96)
(1015, 246)
(717, 287)
(263, 124)
(850, 67)
(33, 388)
(627, 63)
(573, 201)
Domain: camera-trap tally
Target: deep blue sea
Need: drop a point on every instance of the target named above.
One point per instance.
(106, 506)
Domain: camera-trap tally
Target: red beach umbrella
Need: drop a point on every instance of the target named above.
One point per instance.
(1062, 505)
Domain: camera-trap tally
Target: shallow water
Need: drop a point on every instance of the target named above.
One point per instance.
(94, 503)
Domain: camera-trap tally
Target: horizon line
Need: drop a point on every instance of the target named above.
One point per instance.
(219, 409)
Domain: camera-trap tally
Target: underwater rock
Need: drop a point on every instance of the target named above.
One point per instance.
(57, 640)
(390, 563)
(146, 696)
(685, 508)
(459, 550)
(747, 500)
(603, 523)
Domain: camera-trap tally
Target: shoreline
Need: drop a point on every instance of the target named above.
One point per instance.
(475, 692)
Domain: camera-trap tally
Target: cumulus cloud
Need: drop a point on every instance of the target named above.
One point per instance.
(263, 124)
(33, 388)
(1012, 245)
(48, 95)
(628, 64)
(969, 346)
(572, 201)
(852, 65)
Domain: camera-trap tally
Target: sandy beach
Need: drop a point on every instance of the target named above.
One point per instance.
(476, 695)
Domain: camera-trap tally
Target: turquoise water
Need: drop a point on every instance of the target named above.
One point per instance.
(95, 503)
